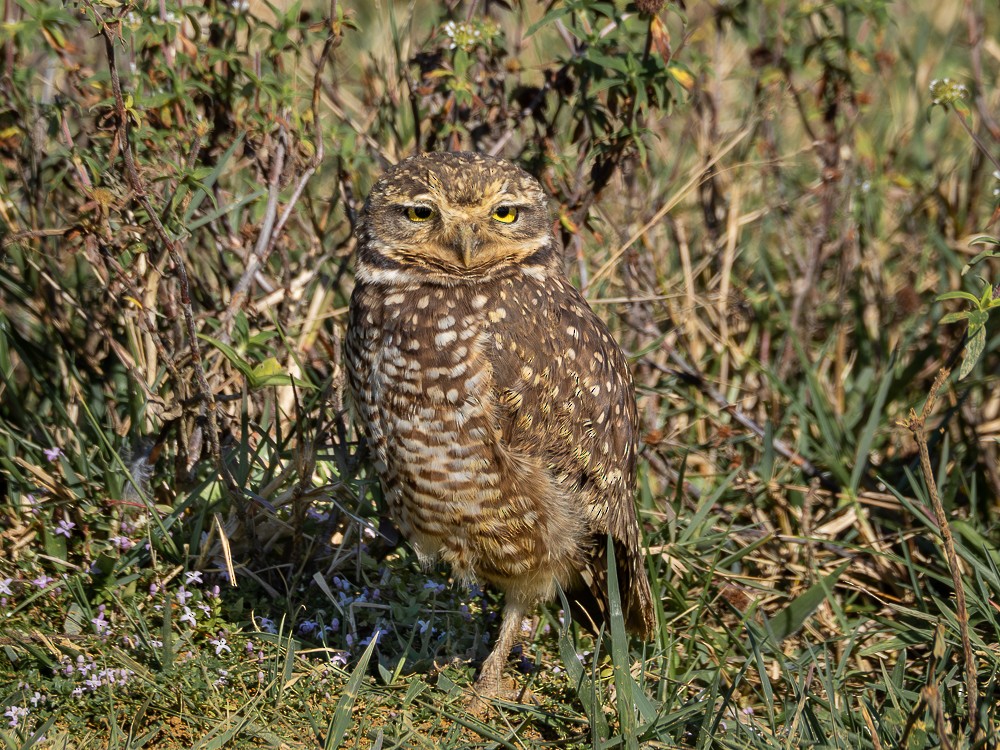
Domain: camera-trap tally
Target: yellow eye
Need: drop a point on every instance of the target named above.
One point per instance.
(419, 213)
(505, 214)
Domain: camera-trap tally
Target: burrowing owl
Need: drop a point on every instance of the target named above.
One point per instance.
(500, 410)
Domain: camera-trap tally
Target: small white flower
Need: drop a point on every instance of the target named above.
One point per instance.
(221, 646)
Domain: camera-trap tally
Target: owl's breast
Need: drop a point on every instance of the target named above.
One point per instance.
(422, 385)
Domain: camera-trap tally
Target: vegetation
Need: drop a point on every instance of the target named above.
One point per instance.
(787, 212)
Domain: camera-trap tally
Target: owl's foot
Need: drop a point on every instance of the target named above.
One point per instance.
(483, 692)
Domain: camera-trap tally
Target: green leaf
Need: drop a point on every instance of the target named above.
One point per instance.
(548, 18)
(586, 690)
(76, 619)
(624, 684)
(958, 295)
(231, 354)
(955, 317)
(977, 320)
(987, 297)
(342, 714)
(222, 210)
(987, 253)
(606, 61)
(973, 351)
(269, 372)
(794, 615)
(984, 239)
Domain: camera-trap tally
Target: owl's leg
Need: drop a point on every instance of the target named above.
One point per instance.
(490, 682)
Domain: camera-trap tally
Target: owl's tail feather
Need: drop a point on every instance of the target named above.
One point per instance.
(589, 602)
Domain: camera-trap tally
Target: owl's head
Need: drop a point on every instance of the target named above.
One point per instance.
(453, 216)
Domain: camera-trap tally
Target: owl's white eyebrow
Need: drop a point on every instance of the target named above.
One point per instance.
(503, 198)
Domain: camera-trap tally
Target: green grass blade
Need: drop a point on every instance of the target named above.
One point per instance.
(625, 686)
(585, 687)
(342, 714)
(794, 615)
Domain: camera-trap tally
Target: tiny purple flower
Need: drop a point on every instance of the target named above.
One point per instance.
(183, 595)
(15, 714)
(5, 586)
(65, 527)
(220, 645)
(188, 616)
(192, 576)
(42, 581)
(123, 543)
(101, 626)
(51, 454)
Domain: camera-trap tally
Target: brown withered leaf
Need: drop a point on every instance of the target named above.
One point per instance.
(661, 38)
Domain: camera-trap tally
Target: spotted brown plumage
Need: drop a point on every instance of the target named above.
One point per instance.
(500, 410)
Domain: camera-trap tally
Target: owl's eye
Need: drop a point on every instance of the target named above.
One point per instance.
(419, 213)
(505, 214)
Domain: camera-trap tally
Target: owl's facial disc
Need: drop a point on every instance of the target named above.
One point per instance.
(463, 237)
(454, 216)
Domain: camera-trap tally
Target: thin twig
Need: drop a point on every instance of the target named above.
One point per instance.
(974, 21)
(271, 228)
(977, 140)
(112, 32)
(916, 425)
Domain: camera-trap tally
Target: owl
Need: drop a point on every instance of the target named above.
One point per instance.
(499, 409)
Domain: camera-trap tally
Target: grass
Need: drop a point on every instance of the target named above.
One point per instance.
(763, 200)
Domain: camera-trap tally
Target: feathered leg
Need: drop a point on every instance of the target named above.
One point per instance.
(490, 682)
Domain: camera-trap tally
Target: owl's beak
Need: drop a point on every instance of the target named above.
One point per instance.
(468, 241)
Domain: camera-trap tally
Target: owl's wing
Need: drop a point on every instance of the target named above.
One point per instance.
(564, 395)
